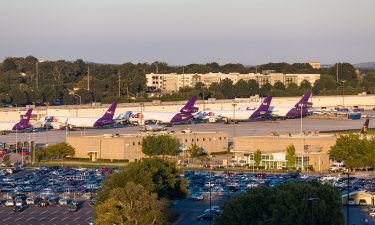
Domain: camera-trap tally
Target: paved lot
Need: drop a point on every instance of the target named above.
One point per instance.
(241, 129)
(51, 215)
(357, 215)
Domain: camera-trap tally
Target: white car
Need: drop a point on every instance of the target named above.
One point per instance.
(351, 201)
(63, 202)
(372, 213)
(9, 203)
(19, 202)
(214, 209)
(30, 201)
(196, 197)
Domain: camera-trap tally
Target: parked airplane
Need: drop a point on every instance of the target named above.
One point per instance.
(214, 115)
(284, 112)
(81, 122)
(17, 126)
(185, 114)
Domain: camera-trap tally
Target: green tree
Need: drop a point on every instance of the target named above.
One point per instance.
(352, 150)
(242, 89)
(154, 174)
(291, 155)
(305, 86)
(265, 90)
(160, 145)
(279, 85)
(226, 88)
(132, 205)
(257, 157)
(284, 205)
(195, 151)
(61, 150)
(253, 87)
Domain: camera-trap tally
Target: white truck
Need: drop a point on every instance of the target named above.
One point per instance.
(337, 167)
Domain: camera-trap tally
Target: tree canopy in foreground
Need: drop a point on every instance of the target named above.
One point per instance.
(286, 204)
(154, 174)
(132, 205)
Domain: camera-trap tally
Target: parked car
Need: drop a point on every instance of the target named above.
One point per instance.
(207, 216)
(63, 202)
(9, 203)
(72, 207)
(43, 203)
(351, 201)
(371, 212)
(30, 201)
(18, 208)
(19, 202)
(196, 197)
(362, 202)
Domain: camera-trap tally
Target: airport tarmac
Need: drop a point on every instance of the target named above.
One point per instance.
(241, 129)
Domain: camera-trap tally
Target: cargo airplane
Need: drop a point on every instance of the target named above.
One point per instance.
(284, 112)
(81, 122)
(235, 115)
(184, 115)
(17, 126)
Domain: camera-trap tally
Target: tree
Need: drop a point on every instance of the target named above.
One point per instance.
(226, 88)
(352, 150)
(305, 86)
(154, 174)
(257, 157)
(284, 205)
(241, 89)
(61, 150)
(291, 155)
(160, 145)
(194, 151)
(279, 85)
(265, 90)
(132, 205)
(253, 87)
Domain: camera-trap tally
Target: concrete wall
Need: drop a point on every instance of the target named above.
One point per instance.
(316, 147)
(130, 146)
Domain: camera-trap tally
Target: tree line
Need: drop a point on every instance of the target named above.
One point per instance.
(27, 80)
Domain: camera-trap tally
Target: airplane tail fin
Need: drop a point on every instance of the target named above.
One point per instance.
(26, 118)
(263, 108)
(189, 106)
(365, 127)
(304, 101)
(110, 112)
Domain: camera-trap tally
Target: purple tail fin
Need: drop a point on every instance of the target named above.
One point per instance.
(189, 106)
(262, 110)
(365, 127)
(110, 112)
(304, 101)
(26, 118)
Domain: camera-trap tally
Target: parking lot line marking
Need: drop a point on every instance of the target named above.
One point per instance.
(7, 218)
(65, 218)
(44, 212)
(76, 218)
(53, 218)
(30, 218)
(42, 218)
(9, 213)
(19, 218)
(55, 212)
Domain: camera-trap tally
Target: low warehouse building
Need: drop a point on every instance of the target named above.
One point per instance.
(311, 149)
(129, 147)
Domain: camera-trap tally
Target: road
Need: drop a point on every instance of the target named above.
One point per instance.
(241, 129)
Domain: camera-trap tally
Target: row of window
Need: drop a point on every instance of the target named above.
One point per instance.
(204, 139)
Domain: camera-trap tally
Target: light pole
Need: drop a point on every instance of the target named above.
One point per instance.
(301, 105)
(34, 147)
(343, 96)
(210, 189)
(347, 198)
(312, 200)
(234, 124)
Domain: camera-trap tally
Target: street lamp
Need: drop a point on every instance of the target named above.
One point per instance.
(347, 197)
(312, 200)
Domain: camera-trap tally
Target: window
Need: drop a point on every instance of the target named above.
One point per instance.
(192, 140)
(204, 139)
(133, 143)
(139, 143)
(225, 138)
(220, 138)
(197, 139)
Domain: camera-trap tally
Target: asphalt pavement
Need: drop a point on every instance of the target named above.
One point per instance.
(248, 128)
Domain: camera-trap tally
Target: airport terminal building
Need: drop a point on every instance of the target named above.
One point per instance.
(129, 147)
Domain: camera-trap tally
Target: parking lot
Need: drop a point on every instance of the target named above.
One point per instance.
(51, 215)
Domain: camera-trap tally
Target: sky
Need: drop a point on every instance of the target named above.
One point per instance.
(182, 32)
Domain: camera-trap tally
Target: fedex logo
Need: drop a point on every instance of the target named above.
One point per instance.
(208, 114)
(51, 119)
(136, 115)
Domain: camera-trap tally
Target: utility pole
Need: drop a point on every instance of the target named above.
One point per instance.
(119, 83)
(37, 75)
(337, 72)
(88, 78)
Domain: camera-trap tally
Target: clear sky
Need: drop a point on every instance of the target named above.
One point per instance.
(189, 31)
